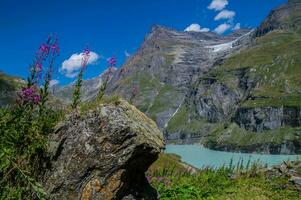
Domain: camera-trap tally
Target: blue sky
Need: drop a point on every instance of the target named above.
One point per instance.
(112, 27)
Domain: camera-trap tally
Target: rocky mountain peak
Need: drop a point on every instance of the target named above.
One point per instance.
(293, 1)
(287, 16)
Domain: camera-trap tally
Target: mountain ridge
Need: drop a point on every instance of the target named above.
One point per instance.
(240, 92)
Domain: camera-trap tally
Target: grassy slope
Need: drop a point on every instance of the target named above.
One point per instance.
(8, 86)
(153, 96)
(233, 135)
(186, 121)
(274, 60)
(171, 180)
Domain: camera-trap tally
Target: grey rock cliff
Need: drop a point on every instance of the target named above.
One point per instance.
(268, 118)
(287, 16)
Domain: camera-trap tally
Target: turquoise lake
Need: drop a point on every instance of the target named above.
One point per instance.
(200, 157)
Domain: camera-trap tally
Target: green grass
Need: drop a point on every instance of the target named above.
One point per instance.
(251, 183)
(87, 106)
(185, 121)
(172, 162)
(274, 62)
(164, 99)
(233, 135)
(8, 87)
(291, 101)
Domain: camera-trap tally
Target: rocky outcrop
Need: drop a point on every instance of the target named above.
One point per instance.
(289, 147)
(182, 137)
(291, 170)
(168, 63)
(287, 16)
(268, 118)
(103, 154)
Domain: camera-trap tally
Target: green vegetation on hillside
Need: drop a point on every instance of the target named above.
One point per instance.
(231, 182)
(185, 121)
(274, 61)
(153, 96)
(231, 135)
(8, 87)
(164, 100)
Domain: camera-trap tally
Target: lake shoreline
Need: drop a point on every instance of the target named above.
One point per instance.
(199, 156)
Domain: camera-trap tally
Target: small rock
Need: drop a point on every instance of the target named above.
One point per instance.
(283, 168)
(296, 180)
(292, 172)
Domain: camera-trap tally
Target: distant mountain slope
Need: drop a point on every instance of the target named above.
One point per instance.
(286, 17)
(240, 92)
(89, 89)
(166, 65)
(8, 89)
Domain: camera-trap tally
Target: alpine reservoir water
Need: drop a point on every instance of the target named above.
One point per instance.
(199, 156)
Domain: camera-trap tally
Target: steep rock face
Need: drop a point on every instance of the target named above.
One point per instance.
(285, 17)
(268, 118)
(168, 64)
(215, 102)
(286, 148)
(103, 154)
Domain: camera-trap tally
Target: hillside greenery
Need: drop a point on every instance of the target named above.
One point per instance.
(230, 134)
(173, 181)
(274, 62)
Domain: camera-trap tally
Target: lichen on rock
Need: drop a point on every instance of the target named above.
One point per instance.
(103, 154)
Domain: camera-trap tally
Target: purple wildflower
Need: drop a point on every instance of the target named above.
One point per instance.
(86, 56)
(30, 95)
(36, 99)
(26, 92)
(86, 52)
(39, 67)
(112, 61)
(55, 48)
(159, 178)
(44, 48)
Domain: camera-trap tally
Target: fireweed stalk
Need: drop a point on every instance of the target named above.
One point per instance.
(78, 85)
(30, 94)
(54, 51)
(108, 74)
(24, 131)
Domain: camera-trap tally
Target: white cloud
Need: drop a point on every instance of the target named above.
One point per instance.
(205, 30)
(196, 28)
(222, 28)
(236, 27)
(225, 14)
(127, 54)
(71, 66)
(53, 82)
(218, 5)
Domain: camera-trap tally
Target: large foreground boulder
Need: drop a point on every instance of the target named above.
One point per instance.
(103, 154)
